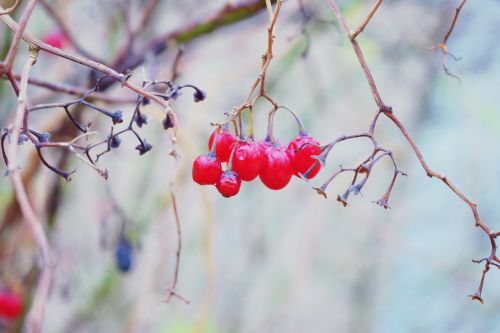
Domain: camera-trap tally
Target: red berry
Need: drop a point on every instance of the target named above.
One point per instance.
(224, 145)
(277, 169)
(247, 160)
(301, 149)
(228, 184)
(11, 305)
(56, 38)
(206, 169)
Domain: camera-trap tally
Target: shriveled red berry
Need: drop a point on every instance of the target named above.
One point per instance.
(224, 145)
(228, 184)
(277, 169)
(11, 305)
(301, 149)
(206, 169)
(56, 38)
(247, 160)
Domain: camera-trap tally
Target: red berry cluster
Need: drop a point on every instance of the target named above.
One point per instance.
(270, 159)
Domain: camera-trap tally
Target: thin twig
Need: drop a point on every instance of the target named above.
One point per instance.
(80, 60)
(387, 111)
(443, 46)
(6, 65)
(363, 25)
(61, 24)
(77, 91)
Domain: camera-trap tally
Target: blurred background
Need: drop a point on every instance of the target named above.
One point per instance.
(271, 261)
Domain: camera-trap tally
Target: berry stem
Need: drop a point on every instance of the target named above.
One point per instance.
(270, 135)
(240, 126)
(302, 130)
(214, 143)
(230, 162)
(250, 121)
(236, 131)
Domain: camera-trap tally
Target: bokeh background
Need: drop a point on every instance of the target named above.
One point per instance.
(285, 261)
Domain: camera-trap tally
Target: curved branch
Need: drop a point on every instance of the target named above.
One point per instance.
(387, 111)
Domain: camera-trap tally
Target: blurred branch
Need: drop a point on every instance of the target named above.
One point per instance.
(35, 225)
(77, 91)
(6, 64)
(229, 14)
(19, 29)
(387, 111)
(363, 25)
(61, 24)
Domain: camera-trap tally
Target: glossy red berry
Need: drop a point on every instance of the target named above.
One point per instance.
(302, 148)
(247, 160)
(228, 184)
(56, 38)
(224, 145)
(277, 169)
(206, 169)
(11, 305)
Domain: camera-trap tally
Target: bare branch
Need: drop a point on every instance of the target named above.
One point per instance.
(443, 47)
(36, 226)
(387, 111)
(6, 65)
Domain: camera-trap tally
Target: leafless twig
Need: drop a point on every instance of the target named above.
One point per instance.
(387, 111)
(443, 46)
(36, 226)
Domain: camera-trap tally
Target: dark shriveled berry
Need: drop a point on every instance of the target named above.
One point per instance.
(140, 119)
(144, 147)
(115, 141)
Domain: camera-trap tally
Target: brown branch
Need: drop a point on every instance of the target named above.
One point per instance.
(36, 226)
(454, 21)
(77, 91)
(61, 24)
(260, 81)
(171, 291)
(227, 15)
(80, 60)
(359, 53)
(363, 25)
(443, 47)
(387, 111)
(13, 82)
(6, 65)
(149, 10)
